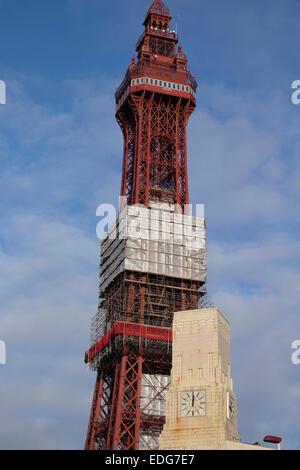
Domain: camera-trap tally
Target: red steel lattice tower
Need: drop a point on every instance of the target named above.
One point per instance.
(143, 281)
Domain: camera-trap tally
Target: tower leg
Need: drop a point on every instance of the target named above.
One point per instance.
(91, 434)
(128, 413)
(101, 411)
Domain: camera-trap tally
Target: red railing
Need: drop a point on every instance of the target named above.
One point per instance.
(129, 329)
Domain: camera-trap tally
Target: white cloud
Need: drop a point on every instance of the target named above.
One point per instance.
(49, 292)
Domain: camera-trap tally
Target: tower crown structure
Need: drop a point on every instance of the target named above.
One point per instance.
(153, 105)
(157, 34)
(153, 258)
(159, 8)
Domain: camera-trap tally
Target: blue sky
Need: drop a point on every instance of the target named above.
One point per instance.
(61, 156)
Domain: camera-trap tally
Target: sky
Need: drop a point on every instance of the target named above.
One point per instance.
(61, 156)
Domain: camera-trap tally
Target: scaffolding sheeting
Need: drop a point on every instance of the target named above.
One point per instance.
(98, 326)
(153, 394)
(154, 241)
(149, 440)
(153, 403)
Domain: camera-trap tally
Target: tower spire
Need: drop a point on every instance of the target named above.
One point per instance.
(159, 7)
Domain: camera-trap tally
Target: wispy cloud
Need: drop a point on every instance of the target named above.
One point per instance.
(48, 292)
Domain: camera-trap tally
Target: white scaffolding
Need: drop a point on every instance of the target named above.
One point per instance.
(154, 241)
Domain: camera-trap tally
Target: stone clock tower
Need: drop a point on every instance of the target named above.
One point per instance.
(201, 405)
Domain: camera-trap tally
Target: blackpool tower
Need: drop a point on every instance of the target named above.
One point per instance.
(153, 258)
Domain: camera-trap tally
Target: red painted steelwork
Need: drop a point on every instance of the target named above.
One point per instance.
(130, 329)
(154, 104)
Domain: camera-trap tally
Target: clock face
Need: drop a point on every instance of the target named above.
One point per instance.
(231, 407)
(193, 403)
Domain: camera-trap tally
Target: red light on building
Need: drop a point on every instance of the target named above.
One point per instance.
(273, 439)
